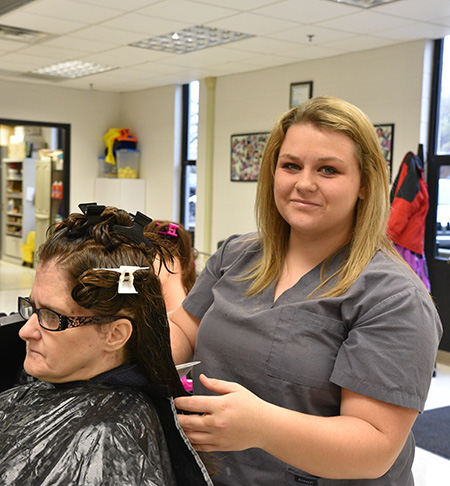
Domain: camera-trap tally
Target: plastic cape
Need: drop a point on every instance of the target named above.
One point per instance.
(111, 430)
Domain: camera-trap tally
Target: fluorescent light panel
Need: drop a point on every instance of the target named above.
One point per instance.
(191, 39)
(364, 3)
(72, 69)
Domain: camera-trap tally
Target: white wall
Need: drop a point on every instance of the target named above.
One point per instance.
(386, 83)
(151, 116)
(390, 84)
(89, 113)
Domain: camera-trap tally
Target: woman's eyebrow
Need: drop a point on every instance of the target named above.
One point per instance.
(324, 159)
(290, 156)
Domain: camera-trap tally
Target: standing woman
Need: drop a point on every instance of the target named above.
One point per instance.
(317, 341)
(97, 338)
(178, 279)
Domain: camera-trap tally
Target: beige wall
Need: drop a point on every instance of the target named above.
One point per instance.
(390, 84)
(152, 117)
(90, 114)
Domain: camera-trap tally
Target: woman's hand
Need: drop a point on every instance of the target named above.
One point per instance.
(229, 422)
(362, 442)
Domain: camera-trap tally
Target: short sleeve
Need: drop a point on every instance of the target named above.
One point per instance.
(389, 354)
(201, 296)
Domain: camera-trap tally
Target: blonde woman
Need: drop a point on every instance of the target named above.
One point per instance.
(317, 341)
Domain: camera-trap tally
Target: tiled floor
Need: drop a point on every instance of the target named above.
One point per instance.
(15, 281)
(429, 469)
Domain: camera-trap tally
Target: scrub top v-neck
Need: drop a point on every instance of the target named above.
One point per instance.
(298, 351)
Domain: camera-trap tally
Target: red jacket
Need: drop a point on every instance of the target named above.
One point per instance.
(409, 205)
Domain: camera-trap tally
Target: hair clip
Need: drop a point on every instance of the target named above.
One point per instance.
(93, 212)
(172, 231)
(126, 279)
(135, 232)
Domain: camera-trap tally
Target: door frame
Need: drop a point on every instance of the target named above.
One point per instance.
(65, 144)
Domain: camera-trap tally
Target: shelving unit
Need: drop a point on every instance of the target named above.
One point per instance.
(13, 203)
(49, 200)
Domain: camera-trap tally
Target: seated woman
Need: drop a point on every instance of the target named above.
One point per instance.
(97, 340)
(179, 277)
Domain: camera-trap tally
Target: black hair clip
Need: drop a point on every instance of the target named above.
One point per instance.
(135, 232)
(93, 212)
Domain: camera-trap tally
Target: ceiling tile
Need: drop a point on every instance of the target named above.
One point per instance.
(416, 31)
(144, 25)
(303, 35)
(305, 11)
(8, 46)
(253, 24)
(40, 23)
(262, 45)
(156, 68)
(365, 22)
(183, 11)
(266, 61)
(241, 5)
(51, 52)
(351, 44)
(125, 56)
(101, 31)
(28, 62)
(307, 51)
(126, 6)
(212, 56)
(111, 36)
(83, 45)
(442, 21)
(417, 9)
(72, 10)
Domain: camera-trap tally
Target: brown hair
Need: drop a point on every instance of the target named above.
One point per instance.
(371, 212)
(178, 241)
(81, 256)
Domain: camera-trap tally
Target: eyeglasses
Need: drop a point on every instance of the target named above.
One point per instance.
(52, 321)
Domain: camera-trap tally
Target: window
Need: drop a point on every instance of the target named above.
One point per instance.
(443, 213)
(191, 94)
(437, 235)
(443, 123)
(441, 145)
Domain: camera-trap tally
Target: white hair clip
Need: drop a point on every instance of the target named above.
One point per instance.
(126, 278)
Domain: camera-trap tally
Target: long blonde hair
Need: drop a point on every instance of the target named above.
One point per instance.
(371, 212)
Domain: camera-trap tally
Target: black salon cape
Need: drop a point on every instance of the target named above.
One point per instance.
(112, 430)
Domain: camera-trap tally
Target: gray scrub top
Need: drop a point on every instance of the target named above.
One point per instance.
(379, 339)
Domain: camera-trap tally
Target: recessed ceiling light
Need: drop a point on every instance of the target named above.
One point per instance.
(21, 35)
(365, 3)
(191, 39)
(72, 69)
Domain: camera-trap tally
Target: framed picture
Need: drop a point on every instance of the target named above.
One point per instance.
(385, 135)
(246, 154)
(300, 92)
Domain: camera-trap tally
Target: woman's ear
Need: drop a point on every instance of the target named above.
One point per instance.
(118, 334)
(362, 192)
